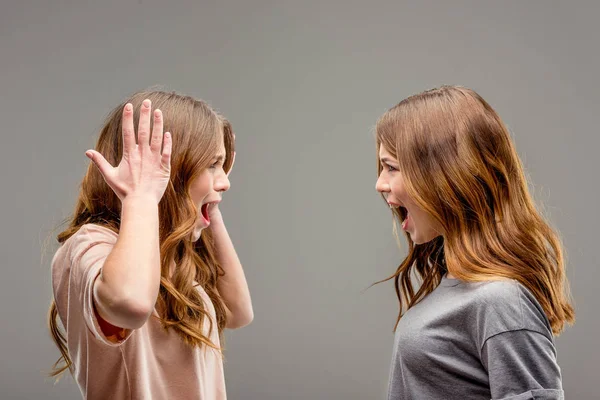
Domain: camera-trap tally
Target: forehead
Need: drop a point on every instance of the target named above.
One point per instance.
(384, 153)
(221, 151)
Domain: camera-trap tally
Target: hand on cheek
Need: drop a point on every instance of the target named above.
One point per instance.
(215, 215)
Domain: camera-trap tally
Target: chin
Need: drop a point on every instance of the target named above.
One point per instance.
(196, 234)
(421, 240)
(418, 241)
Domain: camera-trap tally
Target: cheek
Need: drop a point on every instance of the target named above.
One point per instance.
(426, 223)
(200, 188)
(398, 191)
(195, 193)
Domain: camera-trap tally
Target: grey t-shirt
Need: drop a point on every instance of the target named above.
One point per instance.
(486, 340)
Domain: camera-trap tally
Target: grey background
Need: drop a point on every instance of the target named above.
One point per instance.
(303, 84)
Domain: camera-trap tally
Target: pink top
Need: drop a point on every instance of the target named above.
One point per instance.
(147, 363)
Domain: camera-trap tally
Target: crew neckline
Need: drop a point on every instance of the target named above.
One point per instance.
(449, 281)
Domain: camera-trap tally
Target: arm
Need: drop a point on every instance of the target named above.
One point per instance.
(126, 290)
(521, 365)
(232, 286)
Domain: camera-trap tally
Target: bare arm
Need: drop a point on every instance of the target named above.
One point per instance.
(232, 286)
(127, 289)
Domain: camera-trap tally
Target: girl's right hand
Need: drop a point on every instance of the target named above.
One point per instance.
(143, 171)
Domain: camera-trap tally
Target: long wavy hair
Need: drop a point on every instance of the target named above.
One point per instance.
(460, 165)
(197, 133)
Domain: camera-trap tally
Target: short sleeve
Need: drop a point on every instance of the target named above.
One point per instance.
(521, 365)
(90, 250)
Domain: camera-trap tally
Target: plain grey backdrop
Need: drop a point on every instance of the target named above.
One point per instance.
(303, 83)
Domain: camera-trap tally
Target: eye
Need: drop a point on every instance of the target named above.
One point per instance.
(216, 164)
(390, 168)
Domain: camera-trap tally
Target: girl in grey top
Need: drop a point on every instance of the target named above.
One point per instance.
(492, 291)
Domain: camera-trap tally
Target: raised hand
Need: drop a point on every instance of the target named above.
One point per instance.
(143, 171)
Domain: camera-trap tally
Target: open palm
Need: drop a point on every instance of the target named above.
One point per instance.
(144, 170)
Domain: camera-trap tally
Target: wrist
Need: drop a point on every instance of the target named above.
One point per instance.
(139, 204)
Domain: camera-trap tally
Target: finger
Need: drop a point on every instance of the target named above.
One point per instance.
(157, 132)
(100, 162)
(144, 124)
(166, 152)
(127, 129)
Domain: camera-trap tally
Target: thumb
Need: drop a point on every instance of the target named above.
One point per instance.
(100, 162)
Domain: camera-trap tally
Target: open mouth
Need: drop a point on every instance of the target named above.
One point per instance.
(404, 216)
(403, 213)
(204, 212)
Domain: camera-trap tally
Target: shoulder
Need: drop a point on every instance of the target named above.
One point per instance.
(94, 233)
(499, 292)
(81, 241)
(91, 234)
(506, 305)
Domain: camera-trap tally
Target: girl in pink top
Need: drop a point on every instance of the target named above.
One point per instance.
(146, 277)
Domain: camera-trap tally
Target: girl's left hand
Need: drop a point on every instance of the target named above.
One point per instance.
(214, 213)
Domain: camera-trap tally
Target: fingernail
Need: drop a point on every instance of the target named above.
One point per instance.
(146, 103)
(89, 154)
(156, 113)
(128, 107)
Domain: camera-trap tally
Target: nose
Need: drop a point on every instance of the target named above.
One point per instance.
(382, 186)
(222, 182)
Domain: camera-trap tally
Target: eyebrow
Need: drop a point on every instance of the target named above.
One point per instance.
(219, 158)
(386, 160)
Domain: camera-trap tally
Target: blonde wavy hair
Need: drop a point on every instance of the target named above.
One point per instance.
(197, 132)
(460, 165)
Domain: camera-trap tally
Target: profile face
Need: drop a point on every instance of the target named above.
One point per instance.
(421, 227)
(206, 191)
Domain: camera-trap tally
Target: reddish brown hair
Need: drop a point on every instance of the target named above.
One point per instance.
(459, 164)
(197, 133)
